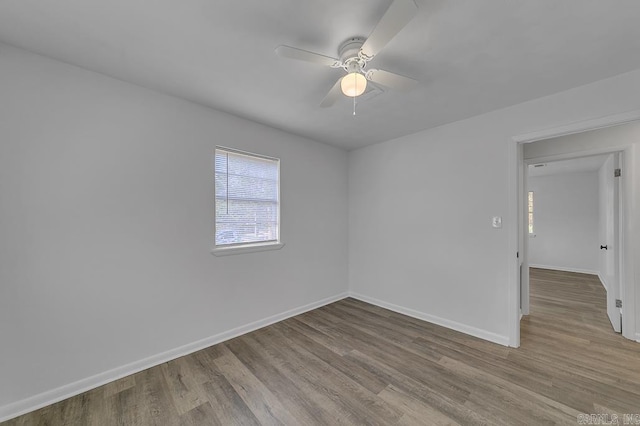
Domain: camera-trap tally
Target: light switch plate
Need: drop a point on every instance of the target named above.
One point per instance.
(496, 222)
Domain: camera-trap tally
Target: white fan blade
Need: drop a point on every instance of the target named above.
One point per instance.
(395, 18)
(333, 95)
(391, 80)
(304, 55)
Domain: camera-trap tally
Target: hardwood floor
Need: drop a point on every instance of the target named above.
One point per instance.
(354, 363)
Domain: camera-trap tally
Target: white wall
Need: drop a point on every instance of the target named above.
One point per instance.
(566, 215)
(106, 203)
(420, 209)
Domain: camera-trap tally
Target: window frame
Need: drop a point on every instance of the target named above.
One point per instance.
(250, 247)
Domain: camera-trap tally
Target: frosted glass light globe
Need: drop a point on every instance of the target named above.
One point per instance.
(353, 84)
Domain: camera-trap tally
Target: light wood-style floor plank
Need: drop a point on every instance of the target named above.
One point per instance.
(354, 363)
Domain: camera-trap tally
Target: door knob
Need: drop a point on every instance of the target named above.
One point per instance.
(603, 247)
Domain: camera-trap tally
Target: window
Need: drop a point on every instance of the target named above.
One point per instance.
(530, 212)
(247, 200)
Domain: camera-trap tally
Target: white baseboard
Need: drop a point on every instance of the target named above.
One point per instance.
(463, 328)
(43, 399)
(604, 282)
(638, 337)
(565, 269)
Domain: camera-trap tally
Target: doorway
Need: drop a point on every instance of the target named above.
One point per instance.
(596, 137)
(572, 227)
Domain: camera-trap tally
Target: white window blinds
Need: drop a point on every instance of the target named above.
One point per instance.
(247, 201)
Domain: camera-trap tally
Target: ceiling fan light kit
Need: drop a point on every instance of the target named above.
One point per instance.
(353, 84)
(357, 52)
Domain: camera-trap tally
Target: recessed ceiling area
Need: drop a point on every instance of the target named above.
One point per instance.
(470, 57)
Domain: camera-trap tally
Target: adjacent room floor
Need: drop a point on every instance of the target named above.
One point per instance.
(354, 363)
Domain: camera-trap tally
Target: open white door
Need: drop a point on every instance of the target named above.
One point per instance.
(609, 236)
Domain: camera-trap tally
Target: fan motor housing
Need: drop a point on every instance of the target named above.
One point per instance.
(350, 48)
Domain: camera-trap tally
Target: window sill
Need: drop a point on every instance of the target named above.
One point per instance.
(249, 248)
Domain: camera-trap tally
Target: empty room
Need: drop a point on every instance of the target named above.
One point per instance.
(394, 212)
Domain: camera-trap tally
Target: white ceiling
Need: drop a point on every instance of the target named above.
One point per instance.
(574, 165)
(470, 56)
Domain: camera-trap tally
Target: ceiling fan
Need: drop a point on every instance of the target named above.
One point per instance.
(357, 52)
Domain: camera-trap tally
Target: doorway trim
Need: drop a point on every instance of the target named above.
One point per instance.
(515, 226)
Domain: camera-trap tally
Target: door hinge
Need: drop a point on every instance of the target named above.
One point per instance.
(618, 303)
(617, 173)
(518, 255)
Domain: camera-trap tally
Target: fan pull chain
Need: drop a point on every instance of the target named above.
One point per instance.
(355, 88)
